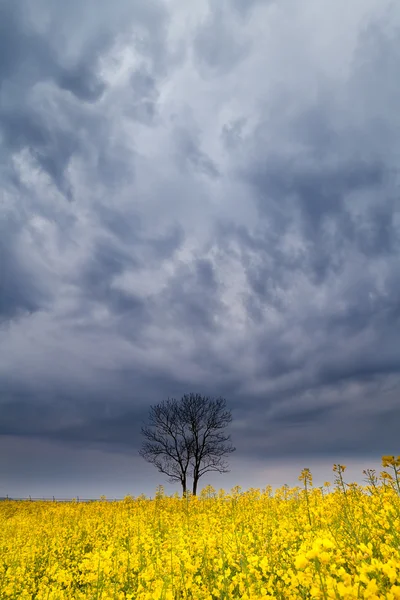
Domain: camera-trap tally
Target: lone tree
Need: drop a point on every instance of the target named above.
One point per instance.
(185, 438)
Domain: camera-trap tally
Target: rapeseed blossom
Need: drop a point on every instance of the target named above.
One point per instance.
(254, 545)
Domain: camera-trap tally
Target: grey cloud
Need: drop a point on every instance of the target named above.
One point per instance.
(111, 416)
(205, 274)
(164, 246)
(366, 307)
(268, 267)
(23, 53)
(331, 428)
(311, 416)
(107, 261)
(97, 277)
(81, 82)
(323, 195)
(216, 45)
(376, 233)
(359, 369)
(31, 58)
(375, 60)
(123, 254)
(144, 97)
(244, 7)
(328, 352)
(242, 242)
(51, 147)
(132, 244)
(281, 361)
(21, 290)
(320, 190)
(192, 297)
(27, 417)
(123, 226)
(190, 154)
(231, 133)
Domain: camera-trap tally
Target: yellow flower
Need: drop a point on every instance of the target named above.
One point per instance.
(395, 591)
(387, 461)
(253, 544)
(305, 476)
(301, 562)
(339, 468)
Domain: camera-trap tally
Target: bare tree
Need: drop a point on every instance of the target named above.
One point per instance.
(186, 439)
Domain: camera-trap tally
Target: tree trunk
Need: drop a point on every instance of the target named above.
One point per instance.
(195, 482)
(183, 482)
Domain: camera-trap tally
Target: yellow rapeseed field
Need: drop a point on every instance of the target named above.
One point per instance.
(339, 541)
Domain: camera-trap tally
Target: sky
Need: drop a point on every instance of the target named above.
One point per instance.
(197, 197)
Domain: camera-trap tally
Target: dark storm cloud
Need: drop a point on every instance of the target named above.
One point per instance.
(58, 422)
(192, 297)
(51, 148)
(31, 57)
(26, 417)
(234, 228)
(62, 414)
(16, 38)
(318, 191)
(21, 290)
(110, 418)
(81, 82)
(125, 253)
(310, 416)
(343, 424)
(28, 59)
(106, 261)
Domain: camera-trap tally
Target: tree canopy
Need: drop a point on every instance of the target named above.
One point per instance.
(185, 438)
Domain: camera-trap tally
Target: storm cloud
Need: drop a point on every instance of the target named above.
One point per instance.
(197, 198)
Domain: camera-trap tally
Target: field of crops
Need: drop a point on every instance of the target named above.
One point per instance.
(338, 541)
